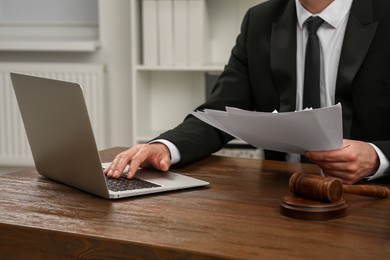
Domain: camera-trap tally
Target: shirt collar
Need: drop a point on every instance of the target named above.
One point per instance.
(333, 14)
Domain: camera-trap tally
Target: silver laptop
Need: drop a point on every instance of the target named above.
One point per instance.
(63, 145)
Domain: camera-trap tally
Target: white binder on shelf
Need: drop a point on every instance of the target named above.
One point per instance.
(165, 31)
(180, 32)
(150, 32)
(198, 33)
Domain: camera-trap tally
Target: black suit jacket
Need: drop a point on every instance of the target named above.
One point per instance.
(261, 75)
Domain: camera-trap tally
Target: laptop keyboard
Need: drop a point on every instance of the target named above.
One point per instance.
(123, 184)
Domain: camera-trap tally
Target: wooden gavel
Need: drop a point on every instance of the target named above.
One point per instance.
(331, 189)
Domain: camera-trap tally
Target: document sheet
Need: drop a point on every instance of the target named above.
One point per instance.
(290, 132)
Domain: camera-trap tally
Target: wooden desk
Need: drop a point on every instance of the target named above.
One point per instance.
(237, 216)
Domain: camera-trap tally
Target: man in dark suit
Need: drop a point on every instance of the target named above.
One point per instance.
(265, 72)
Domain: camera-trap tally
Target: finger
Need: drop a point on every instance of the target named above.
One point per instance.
(327, 156)
(140, 157)
(121, 161)
(134, 165)
(126, 159)
(105, 170)
(120, 165)
(154, 155)
(339, 155)
(110, 169)
(164, 164)
(162, 159)
(347, 172)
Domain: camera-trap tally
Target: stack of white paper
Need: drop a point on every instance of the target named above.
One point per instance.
(291, 132)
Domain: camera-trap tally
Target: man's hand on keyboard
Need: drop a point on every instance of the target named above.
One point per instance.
(155, 155)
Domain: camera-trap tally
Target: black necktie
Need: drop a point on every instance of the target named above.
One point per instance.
(311, 87)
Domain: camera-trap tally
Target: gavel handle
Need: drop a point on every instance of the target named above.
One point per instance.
(367, 190)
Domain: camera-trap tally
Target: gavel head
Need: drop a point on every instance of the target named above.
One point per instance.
(316, 187)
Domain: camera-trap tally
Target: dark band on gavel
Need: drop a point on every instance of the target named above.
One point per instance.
(331, 189)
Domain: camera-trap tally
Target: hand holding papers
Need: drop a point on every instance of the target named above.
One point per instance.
(290, 132)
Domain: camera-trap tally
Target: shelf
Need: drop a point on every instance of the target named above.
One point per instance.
(205, 68)
(47, 45)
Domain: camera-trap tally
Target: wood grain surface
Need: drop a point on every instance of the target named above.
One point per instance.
(237, 216)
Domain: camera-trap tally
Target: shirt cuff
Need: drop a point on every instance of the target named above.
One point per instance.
(383, 164)
(175, 154)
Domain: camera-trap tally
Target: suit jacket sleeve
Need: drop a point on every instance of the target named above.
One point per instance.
(196, 139)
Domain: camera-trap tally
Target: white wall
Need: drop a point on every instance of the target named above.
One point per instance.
(114, 52)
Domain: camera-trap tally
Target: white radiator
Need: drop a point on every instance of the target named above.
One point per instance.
(14, 147)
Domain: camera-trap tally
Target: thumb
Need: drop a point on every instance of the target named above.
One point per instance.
(164, 164)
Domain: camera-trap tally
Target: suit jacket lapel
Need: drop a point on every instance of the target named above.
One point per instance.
(283, 57)
(358, 36)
